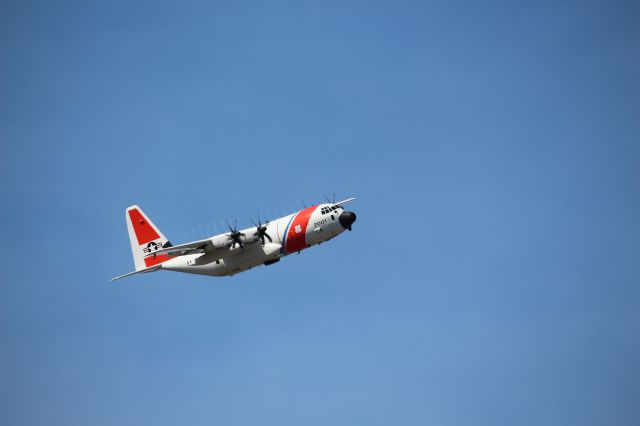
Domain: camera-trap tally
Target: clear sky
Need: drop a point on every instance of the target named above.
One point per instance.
(492, 277)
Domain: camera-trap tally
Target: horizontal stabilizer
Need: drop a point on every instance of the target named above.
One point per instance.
(141, 271)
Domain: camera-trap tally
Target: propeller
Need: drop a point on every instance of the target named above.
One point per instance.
(261, 231)
(234, 235)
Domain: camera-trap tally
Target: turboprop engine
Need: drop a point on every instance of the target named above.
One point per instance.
(271, 250)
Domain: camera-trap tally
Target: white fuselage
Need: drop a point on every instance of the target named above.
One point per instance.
(289, 234)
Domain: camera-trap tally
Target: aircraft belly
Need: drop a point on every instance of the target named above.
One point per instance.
(202, 264)
(241, 260)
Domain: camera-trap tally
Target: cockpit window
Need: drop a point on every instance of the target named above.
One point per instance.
(329, 209)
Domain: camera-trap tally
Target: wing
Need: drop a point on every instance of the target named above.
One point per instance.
(202, 246)
(339, 203)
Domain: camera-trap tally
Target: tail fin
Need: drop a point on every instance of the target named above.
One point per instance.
(145, 238)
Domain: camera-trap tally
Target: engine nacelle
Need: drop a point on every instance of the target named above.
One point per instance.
(219, 240)
(272, 250)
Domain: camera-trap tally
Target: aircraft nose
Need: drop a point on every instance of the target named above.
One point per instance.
(346, 219)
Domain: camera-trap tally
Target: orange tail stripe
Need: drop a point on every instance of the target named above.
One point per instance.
(144, 231)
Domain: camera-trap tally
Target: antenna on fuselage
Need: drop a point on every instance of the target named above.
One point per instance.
(330, 201)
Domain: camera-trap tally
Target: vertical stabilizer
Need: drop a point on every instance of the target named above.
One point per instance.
(145, 238)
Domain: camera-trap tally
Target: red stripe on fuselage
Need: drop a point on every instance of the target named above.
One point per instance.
(296, 240)
(154, 260)
(144, 231)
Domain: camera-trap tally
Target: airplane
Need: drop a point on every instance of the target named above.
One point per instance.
(237, 250)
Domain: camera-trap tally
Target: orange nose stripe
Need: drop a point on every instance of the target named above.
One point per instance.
(296, 239)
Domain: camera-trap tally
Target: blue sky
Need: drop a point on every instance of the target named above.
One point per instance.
(492, 275)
